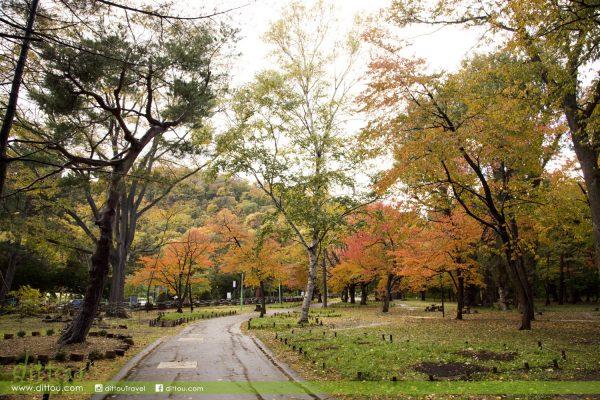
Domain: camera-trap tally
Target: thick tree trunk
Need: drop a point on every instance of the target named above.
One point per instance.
(423, 295)
(460, 295)
(352, 292)
(587, 155)
(324, 279)
(363, 293)
(77, 331)
(310, 284)
(13, 97)
(523, 290)
(388, 292)
(263, 305)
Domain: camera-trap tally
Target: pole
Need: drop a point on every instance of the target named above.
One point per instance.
(242, 292)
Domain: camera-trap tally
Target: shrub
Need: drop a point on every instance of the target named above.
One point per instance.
(49, 332)
(22, 358)
(60, 356)
(95, 355)
(21, 334)
(29, 301)
(102, 333)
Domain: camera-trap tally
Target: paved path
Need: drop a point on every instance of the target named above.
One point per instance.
(211, 350)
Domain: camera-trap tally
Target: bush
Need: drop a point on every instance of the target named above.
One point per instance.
(102, 333)
(95, 355)
(29, 301)
(49, 332)
(60, 356)
(22, 358)
(21, 334)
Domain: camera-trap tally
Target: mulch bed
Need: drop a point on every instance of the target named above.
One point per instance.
(588, 376)
(447, 370)
(485, 355)
(47, 345)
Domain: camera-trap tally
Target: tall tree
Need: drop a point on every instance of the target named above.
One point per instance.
(100, 110)
(474, 134)
(560, 42)
(13, 97)
(289, 134)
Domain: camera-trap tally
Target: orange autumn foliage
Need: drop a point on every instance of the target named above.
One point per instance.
(243, 250)
(178, 265)
(443, 245)
(370, 252)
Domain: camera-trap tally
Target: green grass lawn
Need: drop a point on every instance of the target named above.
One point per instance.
(354, 344)
(204, 313)
(283, 305)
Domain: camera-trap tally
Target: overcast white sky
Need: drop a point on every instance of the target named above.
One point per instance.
(443, 48)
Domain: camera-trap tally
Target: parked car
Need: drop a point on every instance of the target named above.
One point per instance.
(75, 304)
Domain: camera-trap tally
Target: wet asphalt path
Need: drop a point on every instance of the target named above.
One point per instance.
(210, 350)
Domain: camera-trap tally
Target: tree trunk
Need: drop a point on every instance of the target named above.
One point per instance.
(388, 292)
(345, 295)
(363, 293)
(10, 272)
(523, 291)
(77, 331)
(180, 304)
(352, 291)
(13, 257)
(190, 298)
(263, 304)
(181, 293)
(460, 295)
(422, 295)
(526, 310)
(587, 155)
(547, 281)
(324, 279)
(310, 284)
(116, 296)
(148, 304)
(13, 97)
(561, 280)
